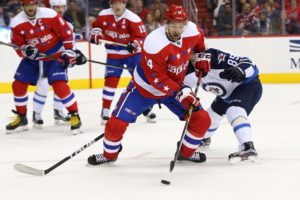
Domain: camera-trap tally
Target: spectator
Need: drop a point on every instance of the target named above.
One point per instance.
(292, 17)
(158, 16)
(240, 5)
(274, 14)
(95, 6)
(4, 19)
(141, 10)
(76, 15)
(224, 24)
(244, 21)
(150, 24)
(255, 8)
(158, 5)
(262, 25)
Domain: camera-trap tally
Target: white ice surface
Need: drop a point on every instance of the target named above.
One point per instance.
(148, 150)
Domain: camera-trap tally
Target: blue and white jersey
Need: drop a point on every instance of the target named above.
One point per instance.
(221, 60)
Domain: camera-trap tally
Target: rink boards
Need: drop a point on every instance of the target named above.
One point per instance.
(278, 59)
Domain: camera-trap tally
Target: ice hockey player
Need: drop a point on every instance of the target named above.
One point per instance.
(41, 30)
(42, 86)
(235, 82)
(165, 56)
(118, 24)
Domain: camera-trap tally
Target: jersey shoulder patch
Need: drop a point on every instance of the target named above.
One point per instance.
(45, 13)
(106, 12)
(156, 41)
(18, 19)
(131, 16)
(191, 30)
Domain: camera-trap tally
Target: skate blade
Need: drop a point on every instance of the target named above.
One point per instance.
(37, 126)
(77, 131)
(17, 130)
(61, 122)
(151, 121)
(250, 159)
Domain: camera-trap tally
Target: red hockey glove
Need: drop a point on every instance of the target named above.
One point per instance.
(69, 56)
(30, 51)
(96, 34)
(134, 47)
(202, 63)
(187, 97)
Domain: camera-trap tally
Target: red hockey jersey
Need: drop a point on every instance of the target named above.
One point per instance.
(123, 29)
(49, 32)
(164, 63)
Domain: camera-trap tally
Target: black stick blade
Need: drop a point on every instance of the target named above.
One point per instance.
(172, 165)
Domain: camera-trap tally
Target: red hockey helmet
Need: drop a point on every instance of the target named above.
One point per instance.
(28, 2)
(114, 1)
(176, 13)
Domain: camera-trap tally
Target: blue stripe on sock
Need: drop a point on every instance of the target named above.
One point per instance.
(241, 126)
(38, 101)
(68, 99)
(57, 100)
(111, 147)
(191, 141)
(212, 129)
(37, 94)
(108, 93)
(20, 100)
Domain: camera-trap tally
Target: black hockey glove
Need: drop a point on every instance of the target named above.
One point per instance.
(233, 74)
(80, 58)
(133, 47)
(30, 51)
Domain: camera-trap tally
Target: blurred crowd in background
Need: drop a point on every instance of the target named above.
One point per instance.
(215, 17)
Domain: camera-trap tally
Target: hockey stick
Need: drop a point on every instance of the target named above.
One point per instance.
(60, 60)
(40, 172)
(172, 163)
(113, 43)
(109, 65)
(39, 54)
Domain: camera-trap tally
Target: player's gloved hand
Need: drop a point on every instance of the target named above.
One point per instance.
(80, 58)
(96, 34)
(69, 57)
(203, 61)
(233, 74)
(134, 47)
(30, 51)
(187, 97)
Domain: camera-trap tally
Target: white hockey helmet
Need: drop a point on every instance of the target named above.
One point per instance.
(58, 3)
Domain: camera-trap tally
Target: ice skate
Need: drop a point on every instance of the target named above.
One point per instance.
(205, 142)
(75, 123)
(247, 152)
(37, 120)
(19, 124)
(197, 157)
(99, 159)
(60, 118)
(150, 116)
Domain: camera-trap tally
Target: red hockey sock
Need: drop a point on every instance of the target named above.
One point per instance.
(110, 85)
(114, 130)
(20, 96)
(62, 90)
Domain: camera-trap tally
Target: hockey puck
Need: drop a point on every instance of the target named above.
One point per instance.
(165, 182)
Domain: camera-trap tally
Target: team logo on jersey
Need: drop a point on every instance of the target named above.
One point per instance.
(221, 58)
(177, 69)
(215, 88)
(294, 45)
